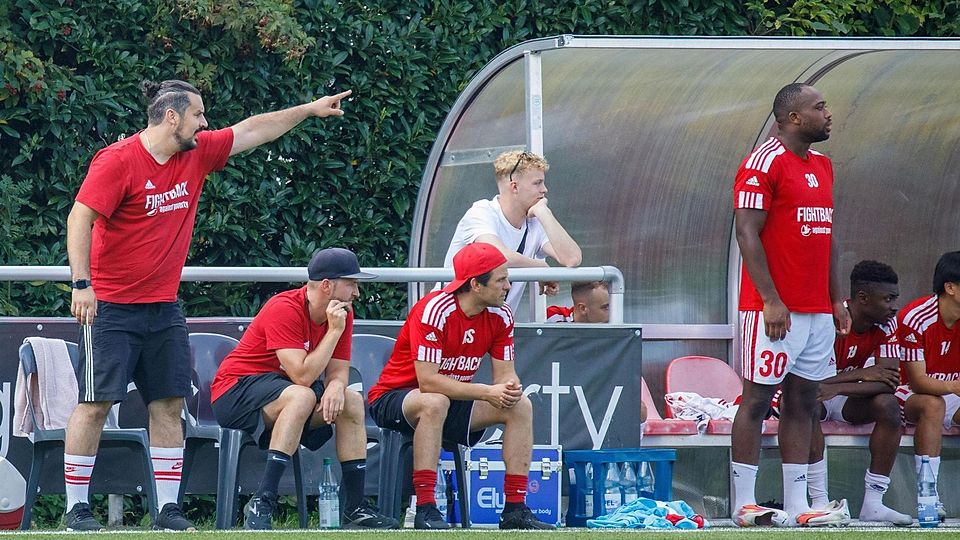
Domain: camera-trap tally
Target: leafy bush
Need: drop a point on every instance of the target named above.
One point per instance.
(200, 509)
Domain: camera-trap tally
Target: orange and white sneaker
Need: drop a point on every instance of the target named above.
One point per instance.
(836, 514)
(754, 515)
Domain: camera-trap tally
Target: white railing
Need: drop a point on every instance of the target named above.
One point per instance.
(610, 274)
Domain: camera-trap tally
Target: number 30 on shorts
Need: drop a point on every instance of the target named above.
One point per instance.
(772, 364)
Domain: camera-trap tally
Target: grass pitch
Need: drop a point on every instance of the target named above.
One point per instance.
(855, 533)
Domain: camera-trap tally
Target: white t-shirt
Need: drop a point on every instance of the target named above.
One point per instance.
(486, 217)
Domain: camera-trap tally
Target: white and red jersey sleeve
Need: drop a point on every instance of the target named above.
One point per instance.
(924, 338)
(559, 314)
(753, 188)
(854, 349)
(438, 331)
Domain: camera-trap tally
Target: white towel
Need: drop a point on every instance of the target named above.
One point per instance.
(53, 392)
(693, 406)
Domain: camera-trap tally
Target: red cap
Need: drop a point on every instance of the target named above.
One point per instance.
(474, 260)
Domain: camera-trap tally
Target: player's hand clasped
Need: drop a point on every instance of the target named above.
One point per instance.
(886, 375)
(505, 396)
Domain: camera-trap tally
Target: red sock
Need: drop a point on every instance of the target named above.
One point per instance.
(515, 487)
(424, 482)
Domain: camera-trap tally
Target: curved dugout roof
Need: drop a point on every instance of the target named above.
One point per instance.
(644, 136)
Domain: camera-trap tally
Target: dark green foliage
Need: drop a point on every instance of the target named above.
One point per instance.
(70, 70)
(199, 509)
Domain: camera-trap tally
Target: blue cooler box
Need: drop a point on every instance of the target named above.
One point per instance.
(485, 472)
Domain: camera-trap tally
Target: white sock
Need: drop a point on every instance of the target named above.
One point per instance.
(875, 485)
(744, 483)
(795, 489)
(817, 484)
(167, 466)
(76, 478)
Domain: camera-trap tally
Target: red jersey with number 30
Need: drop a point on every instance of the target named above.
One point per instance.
(147, 211)
(797, 195)
(879, 341)
(438, 331)
(924, 338)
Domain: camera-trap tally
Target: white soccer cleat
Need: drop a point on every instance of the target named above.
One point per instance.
(837, 514)
(840, 506)
(754, 515)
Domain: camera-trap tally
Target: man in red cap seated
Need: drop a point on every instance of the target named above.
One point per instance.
(425, 389)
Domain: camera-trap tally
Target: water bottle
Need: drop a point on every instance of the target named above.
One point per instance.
(329, 505)
(440, 492)
(588, 491)
(612, 498)
(628, 483)
(927, 496)
(646, 481)
(410, 516)
(453, 498)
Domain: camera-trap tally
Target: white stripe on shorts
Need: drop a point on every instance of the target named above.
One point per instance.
(88, 364)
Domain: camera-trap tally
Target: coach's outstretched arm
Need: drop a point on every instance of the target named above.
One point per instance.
(266, 127)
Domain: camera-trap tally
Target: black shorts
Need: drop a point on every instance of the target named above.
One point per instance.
(387, 412)
(240, 408)
(145, 343)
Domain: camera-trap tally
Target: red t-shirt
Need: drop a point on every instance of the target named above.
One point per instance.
(438, 331)
(559, 314)
(147, 210)
(924, 338)
(283, 323)
(797, 195)
(878, 341)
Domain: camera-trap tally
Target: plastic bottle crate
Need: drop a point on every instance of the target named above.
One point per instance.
(660, 459)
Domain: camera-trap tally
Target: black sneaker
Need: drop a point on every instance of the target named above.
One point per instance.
(522, 518)
(80, 518)
(171, 518)
(429, 517)
(367, 516)
(258, 513)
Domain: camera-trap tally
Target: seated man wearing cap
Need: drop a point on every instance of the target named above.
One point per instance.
(425, 389)
(270, 387)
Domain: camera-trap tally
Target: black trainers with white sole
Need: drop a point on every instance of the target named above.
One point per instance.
(171, 518)
(258, 513)
(429, 517)
(523, 518)
(80, 518)
(367, 516)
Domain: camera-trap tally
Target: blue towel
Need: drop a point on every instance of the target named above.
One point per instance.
(646, 513)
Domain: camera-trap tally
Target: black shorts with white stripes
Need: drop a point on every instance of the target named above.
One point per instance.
(144, 343)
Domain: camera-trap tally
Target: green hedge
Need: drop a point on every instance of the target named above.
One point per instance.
(70, 70)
